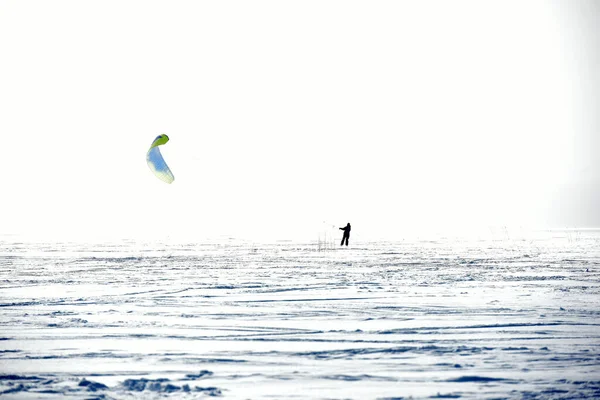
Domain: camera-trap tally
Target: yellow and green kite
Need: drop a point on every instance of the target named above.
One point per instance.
(156, 161)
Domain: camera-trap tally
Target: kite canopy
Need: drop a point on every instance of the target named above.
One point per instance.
(156, 162)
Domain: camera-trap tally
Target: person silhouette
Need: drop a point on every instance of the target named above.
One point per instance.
(346, 236)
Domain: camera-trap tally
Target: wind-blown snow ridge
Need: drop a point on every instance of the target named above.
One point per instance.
(421, 320)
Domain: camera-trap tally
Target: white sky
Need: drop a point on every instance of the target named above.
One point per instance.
(394, 115)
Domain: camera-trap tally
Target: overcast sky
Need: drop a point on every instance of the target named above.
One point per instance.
(396, 116)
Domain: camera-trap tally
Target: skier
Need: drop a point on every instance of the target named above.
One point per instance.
(346, 236)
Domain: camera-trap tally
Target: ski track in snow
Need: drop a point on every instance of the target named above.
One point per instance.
(470, 319)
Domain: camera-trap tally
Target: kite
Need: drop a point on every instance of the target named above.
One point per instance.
(156, 162)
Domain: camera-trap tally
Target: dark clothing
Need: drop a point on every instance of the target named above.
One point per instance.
(346, 236)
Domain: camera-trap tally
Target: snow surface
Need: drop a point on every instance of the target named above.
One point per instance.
(508, 317)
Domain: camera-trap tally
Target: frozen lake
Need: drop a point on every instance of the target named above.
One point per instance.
(496, 317)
